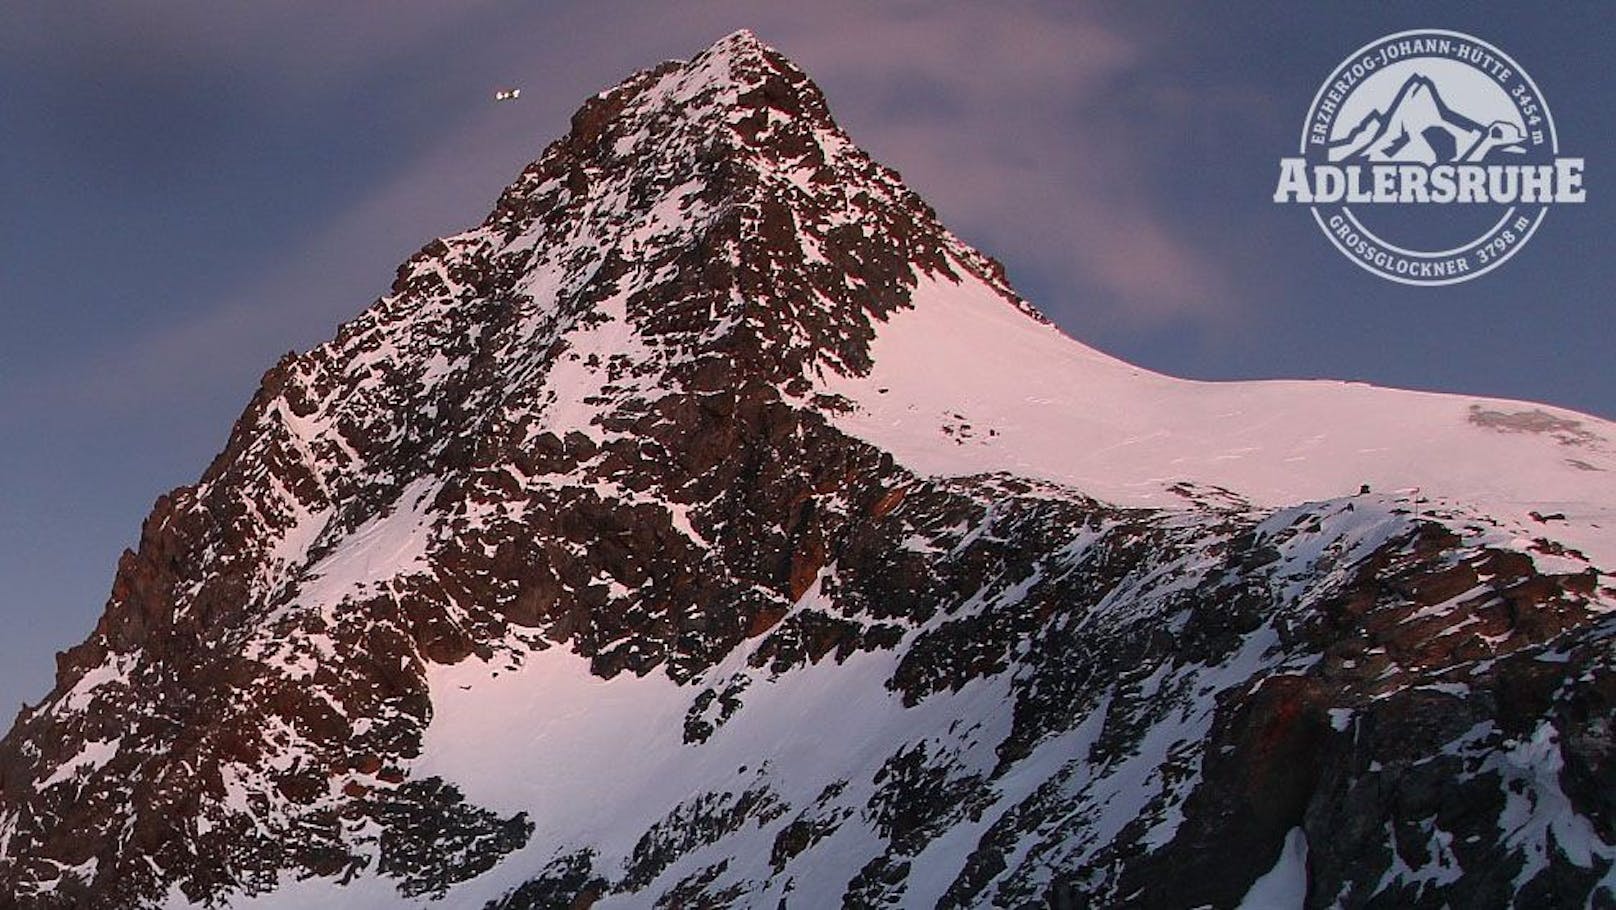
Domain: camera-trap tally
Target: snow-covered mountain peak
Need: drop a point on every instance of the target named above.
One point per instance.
(711, 527)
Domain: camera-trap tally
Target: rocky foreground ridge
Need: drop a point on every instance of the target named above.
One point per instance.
(563, 577)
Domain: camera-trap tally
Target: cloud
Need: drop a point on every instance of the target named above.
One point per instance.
(998, 116)
(298, 45)
(326, 278)
(1005, 119)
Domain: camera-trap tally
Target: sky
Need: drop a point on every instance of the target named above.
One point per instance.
(190, 189)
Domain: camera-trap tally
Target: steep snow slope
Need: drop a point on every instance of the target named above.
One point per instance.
(964, 384)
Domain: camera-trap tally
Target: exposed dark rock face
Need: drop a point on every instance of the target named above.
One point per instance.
(595, 423)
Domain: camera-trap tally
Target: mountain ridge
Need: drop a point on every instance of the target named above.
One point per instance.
(627, 451)
(1436, 141)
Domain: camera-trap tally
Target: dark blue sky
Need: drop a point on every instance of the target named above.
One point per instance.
(189, 189)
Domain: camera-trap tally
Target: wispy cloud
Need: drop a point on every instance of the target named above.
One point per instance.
(326, 277)
(991, 113)
(995, 113)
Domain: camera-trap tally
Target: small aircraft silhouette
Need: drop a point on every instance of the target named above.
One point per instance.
(507, 94)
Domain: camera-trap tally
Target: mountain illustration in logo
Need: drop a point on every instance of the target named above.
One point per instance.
(1419, 127)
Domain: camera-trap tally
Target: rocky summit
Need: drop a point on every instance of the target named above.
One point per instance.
(710, 527)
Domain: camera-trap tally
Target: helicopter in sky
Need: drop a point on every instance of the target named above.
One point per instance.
(507, 94)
